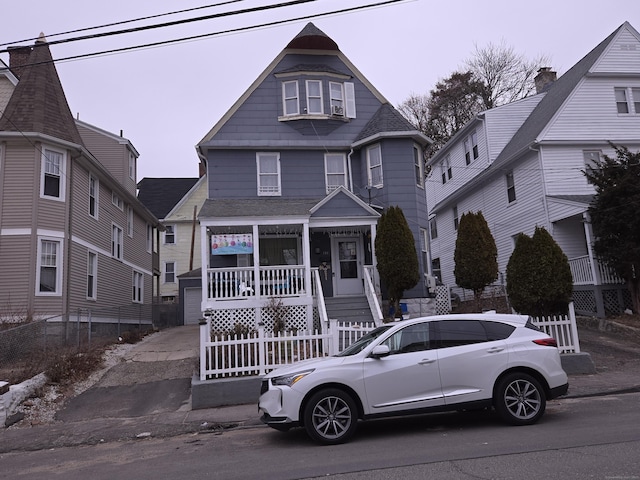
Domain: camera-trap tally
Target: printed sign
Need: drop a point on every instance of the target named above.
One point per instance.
(232, 244)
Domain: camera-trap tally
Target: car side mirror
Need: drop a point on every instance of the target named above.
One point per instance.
(380, 351)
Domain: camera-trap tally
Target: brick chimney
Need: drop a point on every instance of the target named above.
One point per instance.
(544, 79)
(18, 58)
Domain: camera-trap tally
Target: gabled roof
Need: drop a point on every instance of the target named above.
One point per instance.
(388, 121)
(38, 103)
(556, 95)
(160, 195)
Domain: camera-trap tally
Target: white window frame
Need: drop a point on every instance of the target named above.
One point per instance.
(94, 196)
(132, 166)
(290, 99)
(336, 97)
(166, 272)
(445, 169)
(117, 201)
(53, 165)
(117, 242)
(433, 228)
(55, 262)
(342, 159)
(92, 275)
(418, 165)
(456, 218)
(149, 238)
(590, 161)
(511, 187)
(137, 282)
(317, 98)
(622, 100)
(268, 190)
(169, 234)
(130, 221)
(373, 179)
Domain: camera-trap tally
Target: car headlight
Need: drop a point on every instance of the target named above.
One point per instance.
(290, 379)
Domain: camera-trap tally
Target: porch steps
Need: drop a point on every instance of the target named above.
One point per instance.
(348, 309)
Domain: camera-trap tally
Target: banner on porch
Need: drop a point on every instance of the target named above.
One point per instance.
(232, 244)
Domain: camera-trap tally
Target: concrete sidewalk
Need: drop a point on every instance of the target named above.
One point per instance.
(147, 394)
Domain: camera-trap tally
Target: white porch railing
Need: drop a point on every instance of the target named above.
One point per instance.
(582, 272)
(260, 352)
(372, 296)
(241, 282)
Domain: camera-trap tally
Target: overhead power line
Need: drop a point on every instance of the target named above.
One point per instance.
(123, 22)
(223, 32)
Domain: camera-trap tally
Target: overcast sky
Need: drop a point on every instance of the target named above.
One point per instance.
(165, 99)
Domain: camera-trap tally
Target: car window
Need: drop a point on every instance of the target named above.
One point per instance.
(363, 341)
(497, 330)
(452, 333)
(413, 338)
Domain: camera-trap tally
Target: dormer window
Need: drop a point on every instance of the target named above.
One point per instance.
(290, 98)
(314, 97)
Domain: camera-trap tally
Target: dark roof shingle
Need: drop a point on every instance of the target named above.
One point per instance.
(160, 195)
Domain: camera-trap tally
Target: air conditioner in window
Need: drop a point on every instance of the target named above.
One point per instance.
(337, 110)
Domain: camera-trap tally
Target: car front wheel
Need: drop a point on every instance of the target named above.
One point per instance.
(520, 399)
(330, 416)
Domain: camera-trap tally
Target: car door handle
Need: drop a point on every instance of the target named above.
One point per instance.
(495, 350)
(426, 361)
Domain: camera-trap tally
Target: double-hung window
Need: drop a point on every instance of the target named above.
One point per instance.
(627, 100)
(116, 242)
(335, 170)
(53, 169)
(169, 272)
(336, 96)
(433, 228)
(132, 166)
(511, 187)
(314, 97)
(94, 189)
(445, 169)
(291, 105)
(268, 167)
(591, 160)
(418, 166)
(49, 267)
(92, 272)
(169, 234)
(138, 287)
(374, 165)
(456, 219)
(116, 200)
(130, 221)
(471, 148)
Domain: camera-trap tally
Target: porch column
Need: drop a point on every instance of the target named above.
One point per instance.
(592, 260)
(306, 261)
(204, 263)
(257, 284)
(376, 276)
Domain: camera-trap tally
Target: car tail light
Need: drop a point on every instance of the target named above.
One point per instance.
(546, 342)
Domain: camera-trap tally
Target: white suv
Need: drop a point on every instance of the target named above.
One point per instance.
(447, 362)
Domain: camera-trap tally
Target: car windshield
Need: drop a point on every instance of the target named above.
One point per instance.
(363, 341)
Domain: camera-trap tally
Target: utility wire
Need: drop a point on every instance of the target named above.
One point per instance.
(223, 32)
(123, 22)
(177, 22)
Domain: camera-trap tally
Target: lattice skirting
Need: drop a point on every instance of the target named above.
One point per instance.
(231, 320)
(602, 300)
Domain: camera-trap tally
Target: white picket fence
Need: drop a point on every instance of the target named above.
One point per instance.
(259, 352)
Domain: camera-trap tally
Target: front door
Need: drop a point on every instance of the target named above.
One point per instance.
(347, 265)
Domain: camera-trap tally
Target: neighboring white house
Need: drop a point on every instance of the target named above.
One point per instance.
(522, 166)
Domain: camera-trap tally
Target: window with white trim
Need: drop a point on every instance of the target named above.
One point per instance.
(314, 97)
(511, 187)
(445, 169)
(116, 200)
(627, 100)
(290, 103)
(149, 238)
(335, 171)
(132, 166)
(336, 98)
(169, 234)
(268, 168)
(436, 270)
(94, 189)
(170, 272)
(433, 228)
(130, 221)
(138, 287)
(53, 171)
(471, 148)
(418, 166)
(92, 272)
(424, 248)
(116, 242)
(49, 267)
(374, 166)
(591, 160)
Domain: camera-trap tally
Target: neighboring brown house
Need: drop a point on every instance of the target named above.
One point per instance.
(73, 235)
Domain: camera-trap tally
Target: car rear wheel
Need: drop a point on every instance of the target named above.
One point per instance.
(330, 416)
(520, 399)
